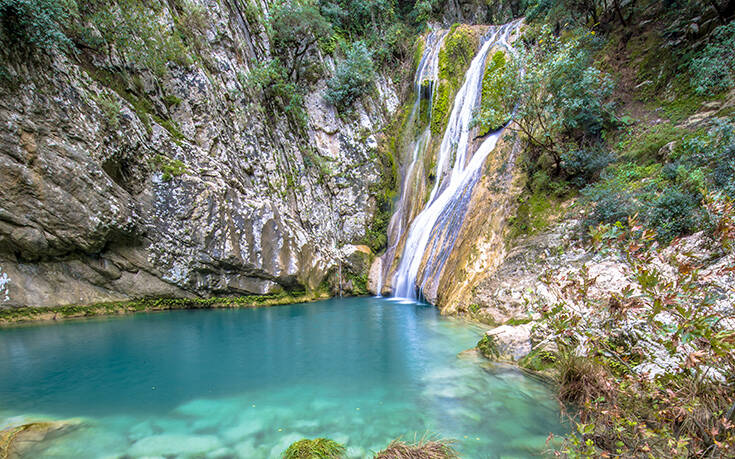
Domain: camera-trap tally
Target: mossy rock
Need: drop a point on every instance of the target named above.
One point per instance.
(488, 348)
(495, 110)
(455, 56)
(540, 360)
(457, 52)
(318, 448)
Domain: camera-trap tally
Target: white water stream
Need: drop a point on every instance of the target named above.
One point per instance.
(444, 211)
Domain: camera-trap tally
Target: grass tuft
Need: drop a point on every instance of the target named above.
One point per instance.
(318, 448)
(423, 449)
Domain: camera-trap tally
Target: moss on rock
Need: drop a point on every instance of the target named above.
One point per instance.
(455, 57)
(28, 314)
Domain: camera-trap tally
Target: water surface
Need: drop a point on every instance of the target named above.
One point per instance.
(248, 382)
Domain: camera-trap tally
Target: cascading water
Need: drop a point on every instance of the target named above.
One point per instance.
(436, 228)
(424, 83)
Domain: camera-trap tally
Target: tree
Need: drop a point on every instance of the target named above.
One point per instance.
(295, 28)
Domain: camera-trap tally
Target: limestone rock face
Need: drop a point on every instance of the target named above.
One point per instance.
(199, 192)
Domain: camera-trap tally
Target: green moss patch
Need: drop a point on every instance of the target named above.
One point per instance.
(26, 314)
(455, 57)
(488, 348)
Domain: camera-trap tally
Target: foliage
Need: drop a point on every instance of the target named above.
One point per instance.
(318, 448)
(649, 369)
(674, 213)
(611, 202)
(295, 29)
(270, 80)
(133, 28)
(583, 166)
(712, 155)
(354, 77)
(563, 106)
(169, 167)
(487, 347)
(111, 107)
(33, 25)
(713, 69)
(423, 449)
(192, 23)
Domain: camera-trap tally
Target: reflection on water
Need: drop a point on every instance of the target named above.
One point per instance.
(248, 382)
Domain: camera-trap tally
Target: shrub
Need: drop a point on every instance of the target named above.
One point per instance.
(133, 28)
(713, 69)
(353, 78)
(609, 204)
(674, 213)
(270, 78)
(423, 449)
(357, 17)
(584, 165)
(318, 448)
(31, 25)
(562, 99)
(714, 152)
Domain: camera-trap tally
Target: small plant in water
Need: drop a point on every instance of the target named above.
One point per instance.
(423, 449)
(318, 448)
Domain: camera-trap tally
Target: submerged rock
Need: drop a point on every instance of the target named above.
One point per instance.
(17, 441)
(171, 444)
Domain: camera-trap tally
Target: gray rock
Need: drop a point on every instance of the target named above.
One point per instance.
(90, 211)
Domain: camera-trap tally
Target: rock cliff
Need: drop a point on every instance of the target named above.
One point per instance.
(119, 181)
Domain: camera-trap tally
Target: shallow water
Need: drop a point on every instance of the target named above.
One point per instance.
(248, 382)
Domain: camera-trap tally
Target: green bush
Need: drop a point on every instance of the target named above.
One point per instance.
(134, 29)
(713, 69)
(353, 78)
(319, 448)
(609, 204)
(33, 25)
(280, 94)
(357, 17)
(674, 213)
(714, 153)
(585, 165)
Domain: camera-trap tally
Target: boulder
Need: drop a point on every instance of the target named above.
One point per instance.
(508, 342)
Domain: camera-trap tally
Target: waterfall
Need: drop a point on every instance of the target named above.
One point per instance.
(437, 226)
(424, 85)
